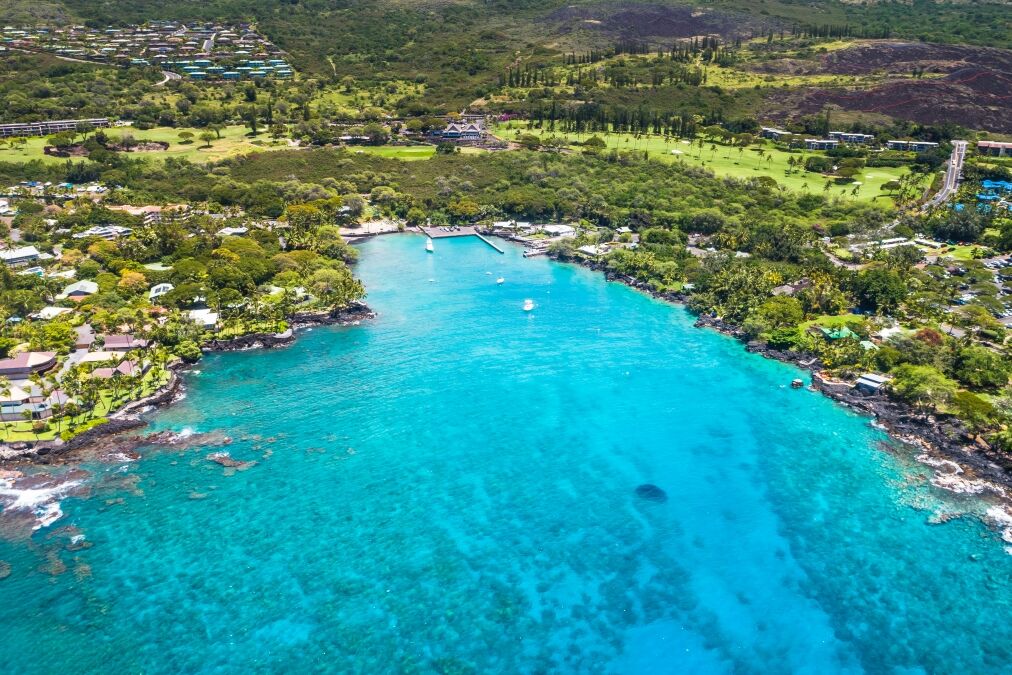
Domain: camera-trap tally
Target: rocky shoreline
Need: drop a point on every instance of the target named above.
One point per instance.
(963, 463)
(129, 417)
(352, 315)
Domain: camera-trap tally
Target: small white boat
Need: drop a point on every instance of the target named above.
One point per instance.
(428, 246)
(500, 280)
(528, 305)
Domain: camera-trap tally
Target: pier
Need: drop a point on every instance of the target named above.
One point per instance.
(448, 232)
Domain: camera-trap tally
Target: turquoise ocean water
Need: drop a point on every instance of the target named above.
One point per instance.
(451, 488)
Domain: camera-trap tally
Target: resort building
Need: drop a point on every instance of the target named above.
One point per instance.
(107, 232)
(85, 336)
(158, 290)
(773, 133)
(994, 148)
(233, 231)
(154, 214)
(914, 146)
(821, 143)
(18, 401)
(78, 291)
(101, 357)
(559, 230)
(122, 342)
(124, 369)
(47, 128)
(846, 137)
(50, 312)
(19, 257)
(23, 364)
(205, 318)
(464, 131)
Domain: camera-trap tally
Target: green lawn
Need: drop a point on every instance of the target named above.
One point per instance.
(233, 141)
(406, 152)
(832, 321)
(22, 431)
(956, 252)
(728, 161)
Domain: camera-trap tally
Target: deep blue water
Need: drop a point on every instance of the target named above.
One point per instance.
(451, 488)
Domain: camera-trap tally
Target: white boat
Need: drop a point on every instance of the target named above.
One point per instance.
(528, 305)
(428, 246)
(500, 280)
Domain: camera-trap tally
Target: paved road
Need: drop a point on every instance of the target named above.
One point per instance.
(854, 267)
(952, 174)
(209, 44)
(168, 75)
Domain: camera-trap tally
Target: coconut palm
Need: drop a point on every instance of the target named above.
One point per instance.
(5, 391)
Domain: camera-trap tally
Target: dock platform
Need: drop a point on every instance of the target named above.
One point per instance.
(465, 231)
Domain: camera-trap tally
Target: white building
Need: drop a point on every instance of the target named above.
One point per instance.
(16, 257)
(232, 231)
(205, 318)
(107, 232)
(158, 290)
(559, 230)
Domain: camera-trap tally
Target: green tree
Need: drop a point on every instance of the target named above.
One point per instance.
(880, 288)
(188, 351)
(922, 385)
(777, 312)
(336, 287)
(975, 410)
(979, 368)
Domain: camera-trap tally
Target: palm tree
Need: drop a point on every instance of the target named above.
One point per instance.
(5, 392)
(58, 411)
(27, 415)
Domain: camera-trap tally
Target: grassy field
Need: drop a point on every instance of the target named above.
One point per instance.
(833, 321)
(405, 152)
(728, 161)
(233, 141)
(22, 431)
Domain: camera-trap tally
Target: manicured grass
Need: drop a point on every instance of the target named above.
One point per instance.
(22, 431)
(233, 141)
(956, 252)
(405, 152)
(728, 161)
(832, 321)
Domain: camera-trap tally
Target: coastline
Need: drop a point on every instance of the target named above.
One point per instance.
(131, 416)
(962, 464)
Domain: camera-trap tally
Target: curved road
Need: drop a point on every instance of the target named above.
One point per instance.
(166, 76)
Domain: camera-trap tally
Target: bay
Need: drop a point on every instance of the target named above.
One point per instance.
(452, 487)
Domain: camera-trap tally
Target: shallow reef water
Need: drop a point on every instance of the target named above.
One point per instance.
(462, 486)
